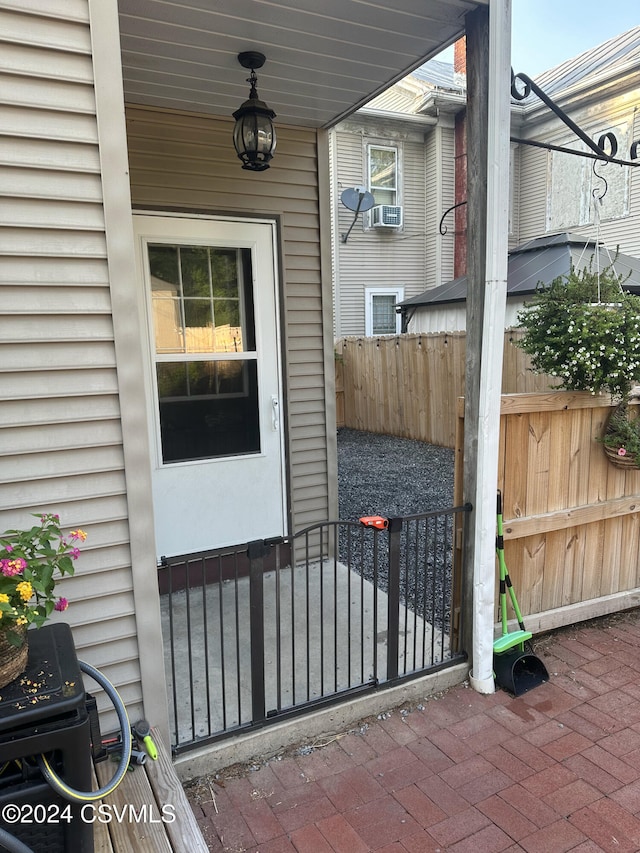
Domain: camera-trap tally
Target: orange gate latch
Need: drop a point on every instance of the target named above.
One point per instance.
(375, 521)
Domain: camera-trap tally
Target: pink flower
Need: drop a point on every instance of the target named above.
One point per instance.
(74, 553)
(13, 567)
(61, 605)
(622, 451)
(8, 548)
(78, 534)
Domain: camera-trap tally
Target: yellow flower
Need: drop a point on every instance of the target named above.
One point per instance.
(25, 590)
(21, 620)
(78, 534)
(4, 598)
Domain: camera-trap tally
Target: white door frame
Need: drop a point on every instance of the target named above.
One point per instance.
(263, 254)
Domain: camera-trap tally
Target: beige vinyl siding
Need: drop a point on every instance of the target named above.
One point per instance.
(187, 162)
(60, 431)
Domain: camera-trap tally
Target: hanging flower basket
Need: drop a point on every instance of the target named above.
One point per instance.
(584, 331)
(13, 655)
(621, 439)
(621, 459)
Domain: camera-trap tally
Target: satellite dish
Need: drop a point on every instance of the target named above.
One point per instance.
(359, 200)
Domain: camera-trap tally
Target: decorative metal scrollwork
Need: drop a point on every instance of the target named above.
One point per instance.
(442, 228)
(598, 148)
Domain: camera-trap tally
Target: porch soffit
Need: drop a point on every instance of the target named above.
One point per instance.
(324, 60)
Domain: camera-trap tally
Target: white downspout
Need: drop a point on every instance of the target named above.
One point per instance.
(492, 343)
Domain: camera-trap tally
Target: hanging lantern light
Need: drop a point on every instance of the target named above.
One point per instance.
(254, 136)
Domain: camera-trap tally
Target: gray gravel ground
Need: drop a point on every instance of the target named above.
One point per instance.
(390, 476)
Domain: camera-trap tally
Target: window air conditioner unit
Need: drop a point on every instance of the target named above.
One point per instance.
(386, 216)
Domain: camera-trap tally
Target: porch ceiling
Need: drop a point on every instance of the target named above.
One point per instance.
(324, 60)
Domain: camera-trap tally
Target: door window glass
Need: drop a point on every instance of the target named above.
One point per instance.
(205, 351)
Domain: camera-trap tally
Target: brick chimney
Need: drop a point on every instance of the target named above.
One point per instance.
(460, 62)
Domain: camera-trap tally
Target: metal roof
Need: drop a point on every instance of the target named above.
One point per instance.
(437, 73)
(606, 59)
(324, 60)
(539, 261)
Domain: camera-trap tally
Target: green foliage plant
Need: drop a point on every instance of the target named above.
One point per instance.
(584, 330)
(30, 562)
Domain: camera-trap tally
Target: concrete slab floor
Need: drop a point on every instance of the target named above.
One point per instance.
(325, 632)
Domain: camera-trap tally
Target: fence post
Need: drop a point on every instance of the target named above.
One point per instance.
(256, 552)
(393, 598)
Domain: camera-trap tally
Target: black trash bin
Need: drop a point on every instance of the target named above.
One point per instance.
(45, 711)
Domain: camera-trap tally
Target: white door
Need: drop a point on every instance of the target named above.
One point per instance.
(213, 381)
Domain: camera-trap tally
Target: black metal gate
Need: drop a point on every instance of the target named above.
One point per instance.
(278, 627)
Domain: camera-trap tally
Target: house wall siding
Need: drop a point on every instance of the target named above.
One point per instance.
(534, 184)
(186, 162)
(61, 444)
(376, 257)
(439, 156)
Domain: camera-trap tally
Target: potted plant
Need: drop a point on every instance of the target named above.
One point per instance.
(584, 330)
(30, 563)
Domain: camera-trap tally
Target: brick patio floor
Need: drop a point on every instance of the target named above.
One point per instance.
(555, 769)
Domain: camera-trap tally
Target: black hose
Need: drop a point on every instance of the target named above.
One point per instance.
(12, 844)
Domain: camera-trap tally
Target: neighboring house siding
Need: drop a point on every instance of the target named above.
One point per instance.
(537, 174)
(514, 189)
(440, 192)
(349, 166)
(372, 257)
(186, 162)
(60, 430)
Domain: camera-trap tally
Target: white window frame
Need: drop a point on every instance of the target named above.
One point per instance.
(369, 293)
(372, 146)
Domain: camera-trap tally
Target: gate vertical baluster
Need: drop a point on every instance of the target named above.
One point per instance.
(308, 613)
(415, 524)
(335, 608)
(236, 593)
(293, 621)
(376, 557)
(362, 568)
(190, 651)
(278, 633)
(322, 569)
(205, 632)
(257, 551)
(172, 638)
(393, 597)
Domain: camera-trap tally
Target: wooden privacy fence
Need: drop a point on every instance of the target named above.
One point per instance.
(408, 385)
(571, 517)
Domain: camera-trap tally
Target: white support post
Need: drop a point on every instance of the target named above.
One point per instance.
(484, 530)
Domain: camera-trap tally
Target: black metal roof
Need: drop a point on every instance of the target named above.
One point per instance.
(536, 261)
